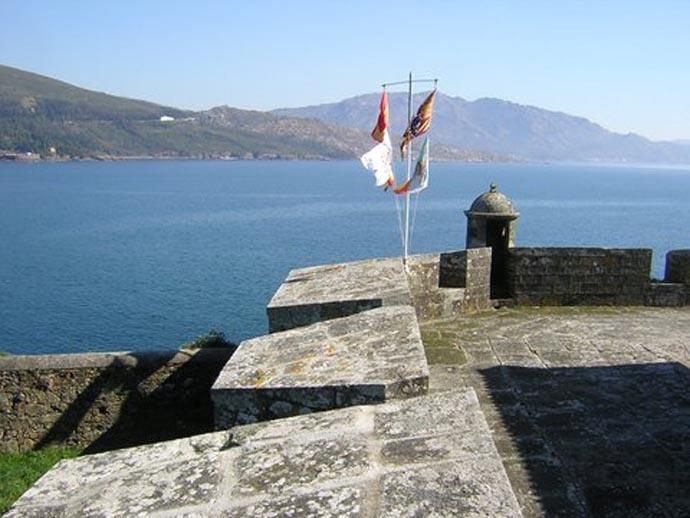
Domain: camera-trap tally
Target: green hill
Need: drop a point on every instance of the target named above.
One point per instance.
(23, 94)
(38, 113)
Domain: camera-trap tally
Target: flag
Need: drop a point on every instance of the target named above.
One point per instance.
(382, 121)
(379, 160)
(420, 178)
(420, 124)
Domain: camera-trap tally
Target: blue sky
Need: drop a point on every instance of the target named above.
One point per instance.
(623, 64)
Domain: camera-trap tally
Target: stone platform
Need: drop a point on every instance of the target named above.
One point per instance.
(426, 456)
(588, 406)
(369, 357)
(310, 295)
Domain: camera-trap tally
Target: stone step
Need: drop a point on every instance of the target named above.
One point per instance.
(318, 293)
(369, 357)
(425, 456)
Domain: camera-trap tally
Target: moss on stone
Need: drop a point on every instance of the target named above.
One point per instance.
(440, 348)
(445, 356)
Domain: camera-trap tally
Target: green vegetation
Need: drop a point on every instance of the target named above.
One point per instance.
(212, 339)
(18, 471)
(38, 113)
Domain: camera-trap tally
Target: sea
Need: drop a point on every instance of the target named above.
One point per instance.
(142, 255)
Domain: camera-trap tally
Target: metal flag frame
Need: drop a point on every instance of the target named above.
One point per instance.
(409, 82)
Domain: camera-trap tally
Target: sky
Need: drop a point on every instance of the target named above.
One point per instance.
(621, 63)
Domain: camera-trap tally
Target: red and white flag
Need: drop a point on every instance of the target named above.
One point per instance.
(379, 159)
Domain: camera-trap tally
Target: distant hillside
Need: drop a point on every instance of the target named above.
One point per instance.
(503, 128)
(38, 113)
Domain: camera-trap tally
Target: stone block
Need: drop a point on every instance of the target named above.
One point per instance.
(428, 456)
(678, 267)
(319, 293)
(666, 295)
(453, 269)
(369, 357)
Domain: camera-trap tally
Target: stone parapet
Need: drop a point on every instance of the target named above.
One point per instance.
(579, 276)
(478, 278)
(365, 358)
(102, 401)
(430, 301)
(447, 284)
(678, 267)
(314, 294)
(664, 294)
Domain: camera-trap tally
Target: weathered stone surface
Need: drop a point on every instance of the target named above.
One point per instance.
(663, 294)
(430, 455)
(364, 358)
(319, 293)
(103, 401)
(587, 405)
(450, 283)
(474, 487)
(430, 300)
(130, 482)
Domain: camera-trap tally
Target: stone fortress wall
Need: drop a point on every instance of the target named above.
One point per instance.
(109, 400)
(105, 400)
(341, 335)
(595, 276)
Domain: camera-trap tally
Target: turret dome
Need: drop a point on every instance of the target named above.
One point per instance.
(493, 204)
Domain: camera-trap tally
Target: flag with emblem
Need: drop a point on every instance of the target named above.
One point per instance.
(420, 124)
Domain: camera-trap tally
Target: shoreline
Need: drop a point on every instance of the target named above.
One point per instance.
(27, 160)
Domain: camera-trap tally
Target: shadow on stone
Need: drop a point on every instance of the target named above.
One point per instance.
(598, 441)
(142, 404)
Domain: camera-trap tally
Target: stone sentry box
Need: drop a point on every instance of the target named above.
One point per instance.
(492, 222)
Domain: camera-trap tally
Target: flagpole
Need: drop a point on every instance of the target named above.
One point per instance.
(406, 243)
(406, 231)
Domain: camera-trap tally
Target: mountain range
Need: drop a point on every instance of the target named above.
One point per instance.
(504, 128)
(47, 117)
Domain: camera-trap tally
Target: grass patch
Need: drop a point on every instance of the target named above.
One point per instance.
(18, 471)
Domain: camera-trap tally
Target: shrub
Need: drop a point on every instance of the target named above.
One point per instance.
(212, 339)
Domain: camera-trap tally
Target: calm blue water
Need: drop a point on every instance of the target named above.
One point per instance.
(141, 255)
